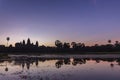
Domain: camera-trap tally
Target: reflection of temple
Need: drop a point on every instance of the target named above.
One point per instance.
(26, 62)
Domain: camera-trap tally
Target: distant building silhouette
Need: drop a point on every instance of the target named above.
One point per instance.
(28, 42)
(37, 44)
(23, 42)
(28, 45)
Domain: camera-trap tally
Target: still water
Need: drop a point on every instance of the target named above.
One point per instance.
(60, 67)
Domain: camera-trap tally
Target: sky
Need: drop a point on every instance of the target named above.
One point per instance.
(88, 21)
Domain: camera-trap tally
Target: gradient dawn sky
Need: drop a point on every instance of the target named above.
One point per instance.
(88, 21)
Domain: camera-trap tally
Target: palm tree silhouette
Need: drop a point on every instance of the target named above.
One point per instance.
(109, 41)
(8, 38)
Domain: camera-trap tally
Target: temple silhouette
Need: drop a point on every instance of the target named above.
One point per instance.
(27, 45)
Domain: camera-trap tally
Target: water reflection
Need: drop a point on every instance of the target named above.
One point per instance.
(29, 61)
(46, 65)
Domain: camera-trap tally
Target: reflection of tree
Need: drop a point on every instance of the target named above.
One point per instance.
(6, 69)
(36, 62)
(119, 63)
(27, 61)
(97, 61)
(59, 63)
(23, 65)
(78, 61)
(67, 61)
(112, 65)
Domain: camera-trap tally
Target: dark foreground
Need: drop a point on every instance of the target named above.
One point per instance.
(60, 67)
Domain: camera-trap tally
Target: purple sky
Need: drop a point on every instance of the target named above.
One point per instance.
(88, 21)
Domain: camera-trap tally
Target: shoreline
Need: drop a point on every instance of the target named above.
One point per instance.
(58, 53)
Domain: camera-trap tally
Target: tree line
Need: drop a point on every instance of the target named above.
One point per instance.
(82, 47)
(60, 47)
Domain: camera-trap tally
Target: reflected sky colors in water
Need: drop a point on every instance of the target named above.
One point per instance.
(57, 68)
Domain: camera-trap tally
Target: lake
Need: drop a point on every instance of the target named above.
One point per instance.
(60, 67)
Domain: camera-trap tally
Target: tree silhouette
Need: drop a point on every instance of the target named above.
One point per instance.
(66, 45)
(116, 42)
(58, 44)
(73, 44)
(8, 38)
(79, 45)
(109, 41)
(83, 45)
